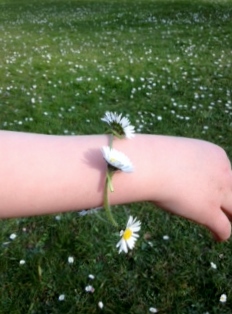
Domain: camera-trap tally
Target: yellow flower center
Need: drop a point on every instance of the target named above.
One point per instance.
(127, 234)
(113, 160)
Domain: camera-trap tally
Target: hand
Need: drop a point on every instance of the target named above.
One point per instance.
(196, 183)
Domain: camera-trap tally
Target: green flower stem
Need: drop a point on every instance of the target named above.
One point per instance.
(111, 140)
(109, 176)
(108, 186)
(116, 134)
(112, 132)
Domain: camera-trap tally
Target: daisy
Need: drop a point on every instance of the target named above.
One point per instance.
(61, 297)
(13, 236)
(214, 266)
(223, 298)
(100, 305)
(129, 236)
(71, 260)
(89, 288)
(120, 126)
(91, 276)
(116, 160)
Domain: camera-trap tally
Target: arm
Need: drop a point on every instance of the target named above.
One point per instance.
(42, 174)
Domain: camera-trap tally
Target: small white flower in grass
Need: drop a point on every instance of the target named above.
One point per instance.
(71, 260)
(22, 262)
(214, 266)
(100, 305)
(13, 236)
(116, 159)
(91, 276)
(89, 288)
(120, 126)
(61, 297)
(223, 298)
(83, 213)
(166, 237)
(153, 310)
(129, 236)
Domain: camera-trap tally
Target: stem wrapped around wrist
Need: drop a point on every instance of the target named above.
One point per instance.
(109, 186)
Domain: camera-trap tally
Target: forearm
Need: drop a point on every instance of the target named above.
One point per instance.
(41, 174)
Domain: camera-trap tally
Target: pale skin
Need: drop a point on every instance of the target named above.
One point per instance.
(44, 174)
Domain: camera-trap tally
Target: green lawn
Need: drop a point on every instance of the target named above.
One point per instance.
(168, 66)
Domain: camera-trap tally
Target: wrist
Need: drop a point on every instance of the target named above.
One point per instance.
(141, 184)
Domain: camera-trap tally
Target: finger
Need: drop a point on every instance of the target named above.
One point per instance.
(219, 225)
(227, 205)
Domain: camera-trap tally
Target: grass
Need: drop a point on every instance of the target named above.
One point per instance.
(167, 64)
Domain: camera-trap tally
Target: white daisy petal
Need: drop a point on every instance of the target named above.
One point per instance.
(124, 246)
(119, 243)
(130, 220)
(136, 229)
(130, 243)
(136, 225)
(135, 235)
